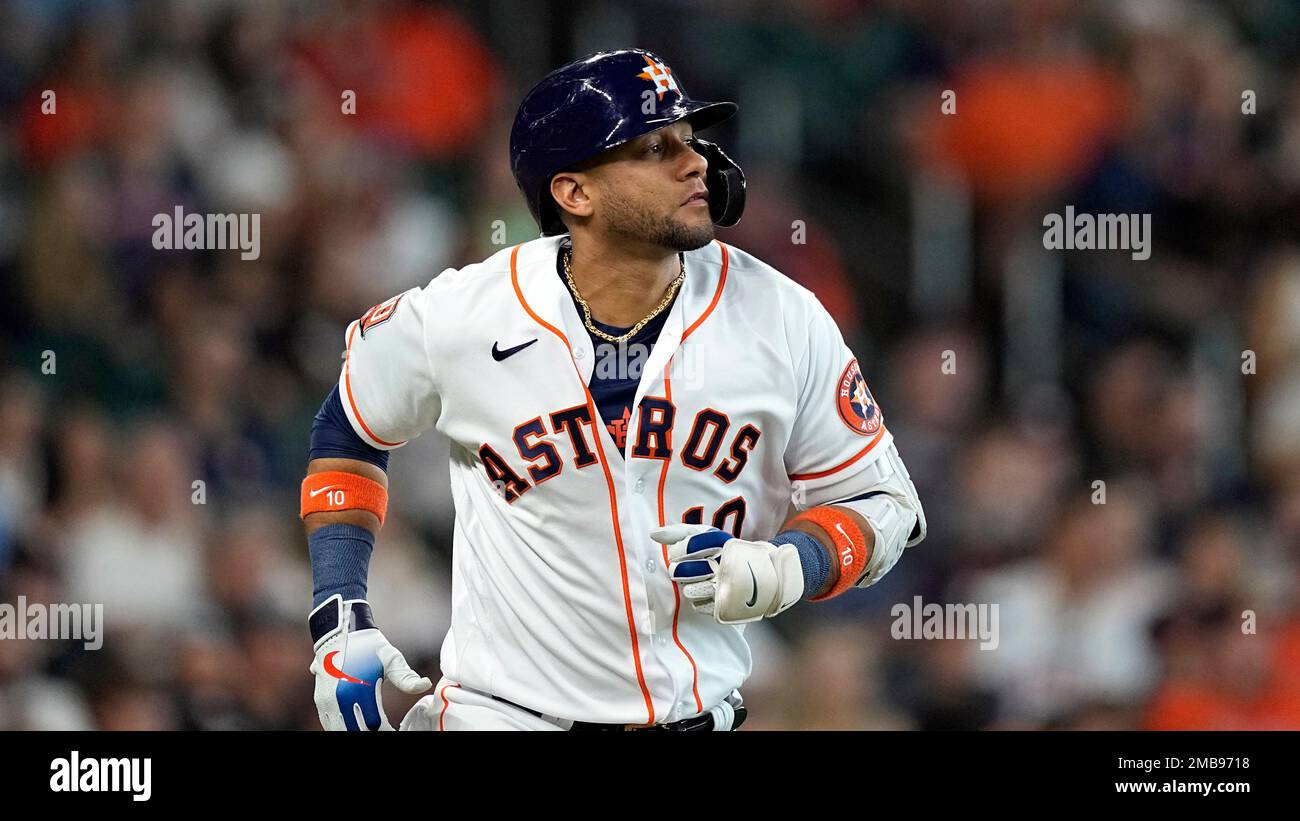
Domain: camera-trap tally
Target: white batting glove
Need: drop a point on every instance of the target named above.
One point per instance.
(352, 657)
(734, 580)
(423, 715)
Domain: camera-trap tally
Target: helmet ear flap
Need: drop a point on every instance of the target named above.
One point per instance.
(726, 184)
(548, 216)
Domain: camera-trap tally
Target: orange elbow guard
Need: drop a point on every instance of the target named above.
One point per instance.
(340, 490)
(851, 550)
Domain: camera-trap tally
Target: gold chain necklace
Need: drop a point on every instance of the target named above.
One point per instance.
(586, 309)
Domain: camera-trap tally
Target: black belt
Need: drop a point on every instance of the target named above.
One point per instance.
(694, 724)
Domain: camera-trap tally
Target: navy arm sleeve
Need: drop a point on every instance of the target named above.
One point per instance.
(340, 553)
(332, 436)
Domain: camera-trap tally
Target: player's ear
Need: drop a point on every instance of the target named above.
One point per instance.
(572, 192)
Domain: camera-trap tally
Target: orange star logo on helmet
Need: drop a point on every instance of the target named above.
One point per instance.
(659, 74)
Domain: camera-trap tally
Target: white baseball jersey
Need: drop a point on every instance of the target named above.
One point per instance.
(561, 600)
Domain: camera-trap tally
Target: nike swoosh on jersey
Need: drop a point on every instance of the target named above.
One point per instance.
(499, 354)
(337, 673)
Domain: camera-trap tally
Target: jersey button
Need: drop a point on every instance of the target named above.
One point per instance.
(651, 565)
(640, 485)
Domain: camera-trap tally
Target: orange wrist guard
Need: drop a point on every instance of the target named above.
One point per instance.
(850, 553)
(341, 490)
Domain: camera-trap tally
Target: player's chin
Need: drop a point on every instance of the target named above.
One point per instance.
(688, 234)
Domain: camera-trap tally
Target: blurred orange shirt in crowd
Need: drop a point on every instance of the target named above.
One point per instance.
(440, 80)
(1026, 128)
(1182, 705)
(82, 115)
(421, 74)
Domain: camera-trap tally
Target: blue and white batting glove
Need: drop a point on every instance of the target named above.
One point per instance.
(734, 580)
(352, 657)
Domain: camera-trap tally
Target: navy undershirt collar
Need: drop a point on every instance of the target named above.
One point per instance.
(617, 370)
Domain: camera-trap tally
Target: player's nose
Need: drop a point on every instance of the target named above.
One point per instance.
(693, 163)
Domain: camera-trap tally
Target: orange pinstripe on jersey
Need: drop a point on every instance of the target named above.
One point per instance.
(347, 384)
(663, 477)
(677, 594)
(443, 713)
(609, 482)
(722, 282)
(841, 466)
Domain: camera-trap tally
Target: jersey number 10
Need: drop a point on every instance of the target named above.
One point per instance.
(733, 510)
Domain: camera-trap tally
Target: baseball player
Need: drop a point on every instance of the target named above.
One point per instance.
(632, 407)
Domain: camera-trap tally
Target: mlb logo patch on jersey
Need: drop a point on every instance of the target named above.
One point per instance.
(857, 406)
(379, 314)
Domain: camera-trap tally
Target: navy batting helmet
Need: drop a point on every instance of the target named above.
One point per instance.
(604, 100)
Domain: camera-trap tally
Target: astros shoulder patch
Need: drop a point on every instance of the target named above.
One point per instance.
(857, 406)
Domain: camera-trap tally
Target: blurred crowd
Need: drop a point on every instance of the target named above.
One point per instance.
(1106, 448)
